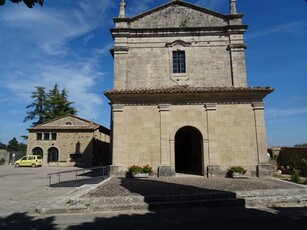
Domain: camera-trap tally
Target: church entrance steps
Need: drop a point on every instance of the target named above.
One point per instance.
(262, 198)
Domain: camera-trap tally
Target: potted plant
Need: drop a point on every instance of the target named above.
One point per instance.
(237, 172)
(138, 171)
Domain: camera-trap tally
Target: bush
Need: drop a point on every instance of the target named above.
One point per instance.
(134, 169)
(295, 176)
(2, 161)
(236, 169)
(299, 164)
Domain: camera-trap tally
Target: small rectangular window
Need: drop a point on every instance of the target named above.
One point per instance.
(53, 136)
(179, 62)
(39, 136)
(46, 136)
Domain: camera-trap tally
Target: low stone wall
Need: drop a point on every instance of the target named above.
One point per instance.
(6, 155)
(287, 154)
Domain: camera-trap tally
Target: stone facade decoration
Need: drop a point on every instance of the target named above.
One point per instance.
(180, 101)
(70, 141)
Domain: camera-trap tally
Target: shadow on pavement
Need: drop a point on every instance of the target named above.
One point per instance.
(177, 218)
(23, 221)
(78, 183)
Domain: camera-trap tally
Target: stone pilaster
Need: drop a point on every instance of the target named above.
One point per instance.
(238, 66)
(213, 159)
(165, 156)
(117, 131)
(263, 168)
(120, 54)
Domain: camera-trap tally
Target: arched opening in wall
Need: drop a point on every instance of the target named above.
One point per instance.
(53, 155)
(188, 151)
(38, 151)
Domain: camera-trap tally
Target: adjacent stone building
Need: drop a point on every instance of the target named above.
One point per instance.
(70, 141)
(180, 101)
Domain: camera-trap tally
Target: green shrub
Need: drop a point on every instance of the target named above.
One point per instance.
(2, 161)
(295, 176)
(134, 169)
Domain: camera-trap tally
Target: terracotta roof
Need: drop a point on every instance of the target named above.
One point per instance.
(187, 89)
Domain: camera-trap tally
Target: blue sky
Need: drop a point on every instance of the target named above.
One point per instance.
(67, 42)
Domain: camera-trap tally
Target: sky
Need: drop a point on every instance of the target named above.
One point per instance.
(68, 41)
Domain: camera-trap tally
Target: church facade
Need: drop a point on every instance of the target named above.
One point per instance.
(180, 101)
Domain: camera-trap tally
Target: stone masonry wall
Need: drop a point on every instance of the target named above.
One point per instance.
(229, 135)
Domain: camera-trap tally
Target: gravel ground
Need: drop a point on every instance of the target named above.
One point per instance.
(183, 185)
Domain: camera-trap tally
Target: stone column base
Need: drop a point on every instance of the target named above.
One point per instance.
(165, 171)
(264, 170)
(117, 171)
(214, 171)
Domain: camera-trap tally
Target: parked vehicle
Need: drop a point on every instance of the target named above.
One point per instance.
(30, 160)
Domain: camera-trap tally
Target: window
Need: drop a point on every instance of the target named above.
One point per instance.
(179, 61)
(53, 136)
(46, 136)
(39, 136)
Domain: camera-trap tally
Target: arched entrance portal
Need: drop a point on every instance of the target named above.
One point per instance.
(53, 155)
(188, 151)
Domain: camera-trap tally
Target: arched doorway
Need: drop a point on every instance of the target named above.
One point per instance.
(188, 151)
(38, 151)
(53, 155)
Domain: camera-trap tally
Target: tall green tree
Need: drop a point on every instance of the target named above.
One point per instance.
(39, 105)
(29, 3)
(47, 106)
(59, 104)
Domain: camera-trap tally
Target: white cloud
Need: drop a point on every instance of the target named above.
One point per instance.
(292, 28)
(41, 54)
(285, 113)
(52, 28)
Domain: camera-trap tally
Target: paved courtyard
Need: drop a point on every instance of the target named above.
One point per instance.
(23, 189)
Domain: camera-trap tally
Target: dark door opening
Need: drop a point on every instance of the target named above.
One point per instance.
(188, 151)
(53, 155)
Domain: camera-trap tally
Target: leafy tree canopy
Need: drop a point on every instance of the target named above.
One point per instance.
(301, 145)
(49, 105)
(2, 146)
(14, 145)
(29, 3)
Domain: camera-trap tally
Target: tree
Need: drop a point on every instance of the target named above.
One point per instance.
(59, 104)
(29, 3)
(301, 145)
(47, 106)
(13, 145)
(40, 106)
(2, 146)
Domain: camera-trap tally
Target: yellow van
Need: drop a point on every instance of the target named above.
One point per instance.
(30, 160)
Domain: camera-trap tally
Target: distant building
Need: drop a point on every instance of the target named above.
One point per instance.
(180, 101)
(70, 140)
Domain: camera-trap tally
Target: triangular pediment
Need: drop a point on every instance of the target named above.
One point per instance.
(178, 14)
(67, 122)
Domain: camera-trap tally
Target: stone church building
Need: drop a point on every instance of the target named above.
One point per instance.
(180, 101)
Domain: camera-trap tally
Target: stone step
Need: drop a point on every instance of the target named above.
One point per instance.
(274, 201)
(267, 198)
(151, 199)
(231, 202)
(270, 193)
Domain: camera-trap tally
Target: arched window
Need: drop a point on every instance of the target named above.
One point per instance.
(38, 151)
